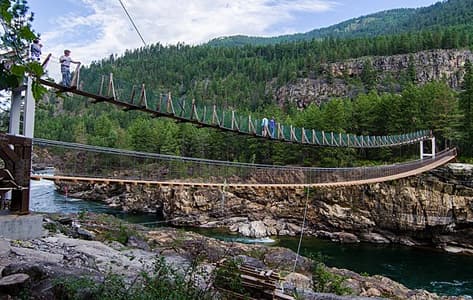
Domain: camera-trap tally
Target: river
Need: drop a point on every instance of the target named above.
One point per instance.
(416, 268)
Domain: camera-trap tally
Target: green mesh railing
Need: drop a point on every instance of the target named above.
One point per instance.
(212, 116)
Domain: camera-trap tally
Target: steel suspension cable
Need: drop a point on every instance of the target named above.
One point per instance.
(132, 22)
(302, 231)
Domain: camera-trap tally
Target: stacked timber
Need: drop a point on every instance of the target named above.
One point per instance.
(251, 282)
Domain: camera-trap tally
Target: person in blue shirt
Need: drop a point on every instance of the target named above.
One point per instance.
(35, 50)
(272, 127)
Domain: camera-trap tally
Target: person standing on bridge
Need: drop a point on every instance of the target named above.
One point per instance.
(66, 61)
(272, 127)
(264, 127)
(35, 50)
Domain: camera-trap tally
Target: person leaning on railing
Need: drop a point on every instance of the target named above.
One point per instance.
(66, 61)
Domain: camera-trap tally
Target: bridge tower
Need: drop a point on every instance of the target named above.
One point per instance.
(15, 151)
(16, 147)
(432, 154)
(15, 128)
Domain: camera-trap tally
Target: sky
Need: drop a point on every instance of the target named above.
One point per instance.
(95, 29)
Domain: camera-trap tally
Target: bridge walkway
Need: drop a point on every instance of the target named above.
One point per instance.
(403, 172)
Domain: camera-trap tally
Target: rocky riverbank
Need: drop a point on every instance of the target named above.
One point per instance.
(94, 246)
(433, 209)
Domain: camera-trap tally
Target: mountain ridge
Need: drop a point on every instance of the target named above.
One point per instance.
(388, 22)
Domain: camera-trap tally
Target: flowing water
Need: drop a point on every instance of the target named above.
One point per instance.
(416, 268)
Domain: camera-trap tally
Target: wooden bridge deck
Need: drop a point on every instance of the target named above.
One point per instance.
(417, 171)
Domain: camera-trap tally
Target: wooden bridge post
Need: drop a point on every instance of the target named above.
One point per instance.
(194, 111)
(169, 106)
(111, 88)
(46, 61)
(215, 116)
(132, 96)
(143, 101)
(251, 128)
(76, 78)
(233, 120)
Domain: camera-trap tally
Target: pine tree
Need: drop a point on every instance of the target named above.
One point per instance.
(16, 38)
(466, 106)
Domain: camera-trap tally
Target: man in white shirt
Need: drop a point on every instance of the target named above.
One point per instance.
(264, 127)
(66, 61)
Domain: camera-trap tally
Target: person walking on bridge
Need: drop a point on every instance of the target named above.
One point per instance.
(272, 127)
(66, 61)
(264, 127)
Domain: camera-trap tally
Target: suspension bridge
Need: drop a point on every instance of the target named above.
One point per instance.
(134, 97)
(91, 164)
(229, 120)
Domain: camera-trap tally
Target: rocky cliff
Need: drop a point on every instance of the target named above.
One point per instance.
(342, 79)
(434, 209)
(89, 256)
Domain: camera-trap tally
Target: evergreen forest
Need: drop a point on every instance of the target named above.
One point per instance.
(244, 78)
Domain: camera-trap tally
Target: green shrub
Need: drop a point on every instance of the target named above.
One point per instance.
(121, 235)
(227, 276)
(163, 283)
(327, 282)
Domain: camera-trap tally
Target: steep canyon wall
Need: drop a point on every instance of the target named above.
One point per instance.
(434, 209)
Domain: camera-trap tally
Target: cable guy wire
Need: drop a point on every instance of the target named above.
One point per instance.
(302, 231)
(132, 22)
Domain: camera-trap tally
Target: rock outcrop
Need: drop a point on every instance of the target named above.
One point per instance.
(39, 268)
(338, 80)
(433, 209)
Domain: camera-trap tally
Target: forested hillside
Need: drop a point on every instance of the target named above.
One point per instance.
(396, 21)
(244, 78)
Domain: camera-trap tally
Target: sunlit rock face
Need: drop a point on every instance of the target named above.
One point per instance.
(342, 79)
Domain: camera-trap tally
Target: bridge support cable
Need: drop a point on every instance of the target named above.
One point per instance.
(231, 121)
(302, 230)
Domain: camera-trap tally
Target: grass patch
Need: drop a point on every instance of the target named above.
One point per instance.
(327, 282)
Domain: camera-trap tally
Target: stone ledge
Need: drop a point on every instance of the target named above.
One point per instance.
(17, 227)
